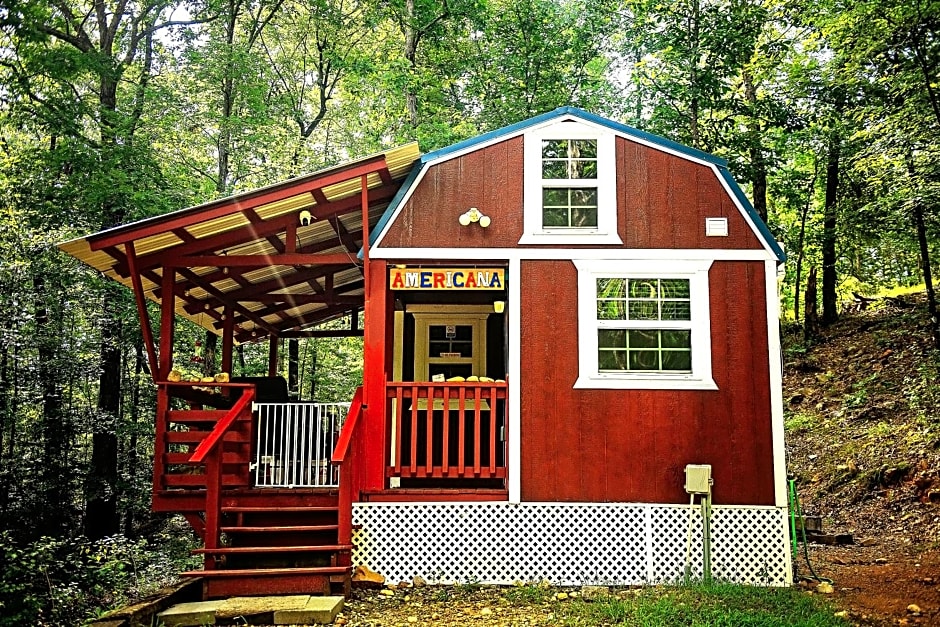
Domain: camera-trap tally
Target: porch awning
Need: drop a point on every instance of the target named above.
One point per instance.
(254, 254)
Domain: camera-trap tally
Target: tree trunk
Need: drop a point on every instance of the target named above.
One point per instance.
(756, 149)
(293, 368)
(56, 436)
(811, 315)
(101, 514)
(830, 216)
(801, 252)
(928, 277)
(411, 54)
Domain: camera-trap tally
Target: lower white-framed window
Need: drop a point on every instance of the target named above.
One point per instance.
(644, 324)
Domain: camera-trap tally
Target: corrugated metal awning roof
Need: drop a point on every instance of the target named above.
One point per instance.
(250, 252)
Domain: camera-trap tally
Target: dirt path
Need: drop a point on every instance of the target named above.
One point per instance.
(877, 587)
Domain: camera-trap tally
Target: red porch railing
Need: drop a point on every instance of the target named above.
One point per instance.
(344, 456)
(447, 430)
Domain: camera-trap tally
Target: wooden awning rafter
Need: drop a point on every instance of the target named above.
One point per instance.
(248, 261)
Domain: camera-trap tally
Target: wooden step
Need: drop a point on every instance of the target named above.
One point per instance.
(195, 415)
(183, 458)
(269, 572)
(171, 481)
(281, 529)
(274, 549)
(276, 509)
(196, 437)
(322, 580)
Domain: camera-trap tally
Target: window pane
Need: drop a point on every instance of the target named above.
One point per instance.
(554, 148)
(555, 170)
(580, 169)
(644, 310)
(611, 338)
(677, 339)
(585, 148)
(555, 197)
(644, 288)
(583, 196)
(675, 288)
(612, 360)
(677, 360)
(557, 216)
(611, 288)
(644, 360)
(644, 339)
(611, 310)
(677, 310)
(583, 217)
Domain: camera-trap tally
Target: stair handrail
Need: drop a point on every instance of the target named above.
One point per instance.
(344, 455)
(349, 427)
(218, 432)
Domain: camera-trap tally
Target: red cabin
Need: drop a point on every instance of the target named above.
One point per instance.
(568, 322)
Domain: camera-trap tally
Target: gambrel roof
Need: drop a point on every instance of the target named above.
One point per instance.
(718, 165)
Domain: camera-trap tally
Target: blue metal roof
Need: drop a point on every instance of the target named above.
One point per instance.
(518, 127)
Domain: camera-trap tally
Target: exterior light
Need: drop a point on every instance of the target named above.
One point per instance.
(499, 306)
(306, 218)
(473, 215)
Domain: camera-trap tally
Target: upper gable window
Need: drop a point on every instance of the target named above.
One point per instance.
(570, 186)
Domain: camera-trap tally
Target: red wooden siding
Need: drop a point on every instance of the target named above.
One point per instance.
(633, 445)
(662, 202)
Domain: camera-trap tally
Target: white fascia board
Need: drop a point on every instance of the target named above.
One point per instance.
(775, 361)
(514, 376)
(502, 254)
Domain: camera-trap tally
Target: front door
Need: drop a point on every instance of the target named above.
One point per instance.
(439, 440)
(449, 344)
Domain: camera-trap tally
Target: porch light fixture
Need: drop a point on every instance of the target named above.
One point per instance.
(499, 306)
(306, 218)
(473, 215)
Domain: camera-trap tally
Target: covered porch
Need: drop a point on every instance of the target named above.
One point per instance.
(265, 479)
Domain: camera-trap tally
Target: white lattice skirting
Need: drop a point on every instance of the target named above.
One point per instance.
(568, 544)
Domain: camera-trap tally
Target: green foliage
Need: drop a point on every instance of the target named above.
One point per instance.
(713, 605)
(529, 594)
(63, 581)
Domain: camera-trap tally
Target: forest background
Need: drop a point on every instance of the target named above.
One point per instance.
(110, 111)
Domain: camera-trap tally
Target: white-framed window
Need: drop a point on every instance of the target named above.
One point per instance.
(644, 325)
(570, 185)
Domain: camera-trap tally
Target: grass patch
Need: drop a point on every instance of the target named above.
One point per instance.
(715, 605)
(799, 422)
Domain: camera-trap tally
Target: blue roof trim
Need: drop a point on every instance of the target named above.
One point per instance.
(396, 200)
(758, 222)
(518, 127)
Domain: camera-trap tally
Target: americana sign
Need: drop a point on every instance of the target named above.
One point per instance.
(447, 278)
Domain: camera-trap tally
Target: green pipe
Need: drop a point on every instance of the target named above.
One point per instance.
(794, 541)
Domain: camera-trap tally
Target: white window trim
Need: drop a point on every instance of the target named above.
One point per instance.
(606, 231)
(696, 271)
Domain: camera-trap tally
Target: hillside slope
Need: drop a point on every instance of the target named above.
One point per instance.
(862, 409)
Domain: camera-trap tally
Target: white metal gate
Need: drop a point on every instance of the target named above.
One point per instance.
(295, 442)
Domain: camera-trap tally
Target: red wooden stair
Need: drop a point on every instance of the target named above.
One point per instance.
(256, 541)
(277, 550)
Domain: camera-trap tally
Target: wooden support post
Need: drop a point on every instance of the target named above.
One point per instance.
(159, 442)
(145, 330)
(377, 316)
(228, 340)
(272, 356)
(167, 321)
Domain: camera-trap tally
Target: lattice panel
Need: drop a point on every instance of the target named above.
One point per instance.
(750, 545)
(569, 544)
